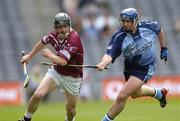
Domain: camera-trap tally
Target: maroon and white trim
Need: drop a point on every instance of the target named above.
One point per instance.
(66, 54)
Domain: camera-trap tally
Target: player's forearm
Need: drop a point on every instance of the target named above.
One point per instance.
(161, 38)
(39, 46)
(106, 59)
(57, 60)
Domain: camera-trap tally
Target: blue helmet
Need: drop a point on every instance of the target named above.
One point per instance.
(129, 14)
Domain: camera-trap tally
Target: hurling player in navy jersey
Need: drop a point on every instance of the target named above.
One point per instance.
(135, 41)
(69, 50)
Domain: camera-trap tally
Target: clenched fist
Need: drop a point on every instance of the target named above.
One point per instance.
(47, 53)
(100, 66)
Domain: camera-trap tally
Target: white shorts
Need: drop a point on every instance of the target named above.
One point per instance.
(65, 83)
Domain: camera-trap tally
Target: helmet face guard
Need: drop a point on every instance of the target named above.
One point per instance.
(129, 14)
(62, 19)
(62, 23)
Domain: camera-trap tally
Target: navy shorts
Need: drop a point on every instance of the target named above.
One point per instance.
(144, 73)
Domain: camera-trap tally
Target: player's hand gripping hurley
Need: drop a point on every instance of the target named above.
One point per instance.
(26, 77)
(79, 66)
(164, 54)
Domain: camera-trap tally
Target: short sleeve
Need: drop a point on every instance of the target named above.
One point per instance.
(154, 26)
(46, 39)
(64, 54)
(113, 48)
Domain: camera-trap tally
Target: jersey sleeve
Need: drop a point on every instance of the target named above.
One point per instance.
(46, 39)
(64, 54)
(50, 38)
(113, 49)
(154, 26)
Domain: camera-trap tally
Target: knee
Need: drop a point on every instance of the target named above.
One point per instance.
(38, 95)
(121, 98)
(71, 110)
(136, 94)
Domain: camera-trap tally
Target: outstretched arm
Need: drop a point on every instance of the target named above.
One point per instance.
(161, 37)
(164, 49)
(26, 58)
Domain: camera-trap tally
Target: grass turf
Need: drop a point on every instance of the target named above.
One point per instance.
(136, 110)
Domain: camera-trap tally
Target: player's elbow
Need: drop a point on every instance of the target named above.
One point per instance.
(64, 62)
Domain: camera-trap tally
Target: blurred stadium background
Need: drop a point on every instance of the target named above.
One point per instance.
(24, 22)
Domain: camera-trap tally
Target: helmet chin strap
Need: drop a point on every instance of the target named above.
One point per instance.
(63, 36)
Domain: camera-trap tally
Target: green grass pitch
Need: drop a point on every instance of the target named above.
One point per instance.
(136, 110)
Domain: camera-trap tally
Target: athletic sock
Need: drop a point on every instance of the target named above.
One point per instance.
(27, 116)
(158, 94)
(68, 120)
(107, 118)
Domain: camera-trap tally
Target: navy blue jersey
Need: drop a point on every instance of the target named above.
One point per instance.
(138, 49)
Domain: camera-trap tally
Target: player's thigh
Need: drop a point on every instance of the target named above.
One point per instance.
(71, 100)
(46, 85)
(132, 85)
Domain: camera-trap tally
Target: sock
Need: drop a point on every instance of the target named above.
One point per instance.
(68, 120)
(107, 118)
(28, 115)
(158, 95)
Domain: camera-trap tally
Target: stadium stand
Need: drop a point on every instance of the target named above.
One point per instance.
(13, 40)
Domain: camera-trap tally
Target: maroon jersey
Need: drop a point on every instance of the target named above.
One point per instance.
(70, 49)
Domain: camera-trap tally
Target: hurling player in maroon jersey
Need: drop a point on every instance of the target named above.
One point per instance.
(69, 50)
